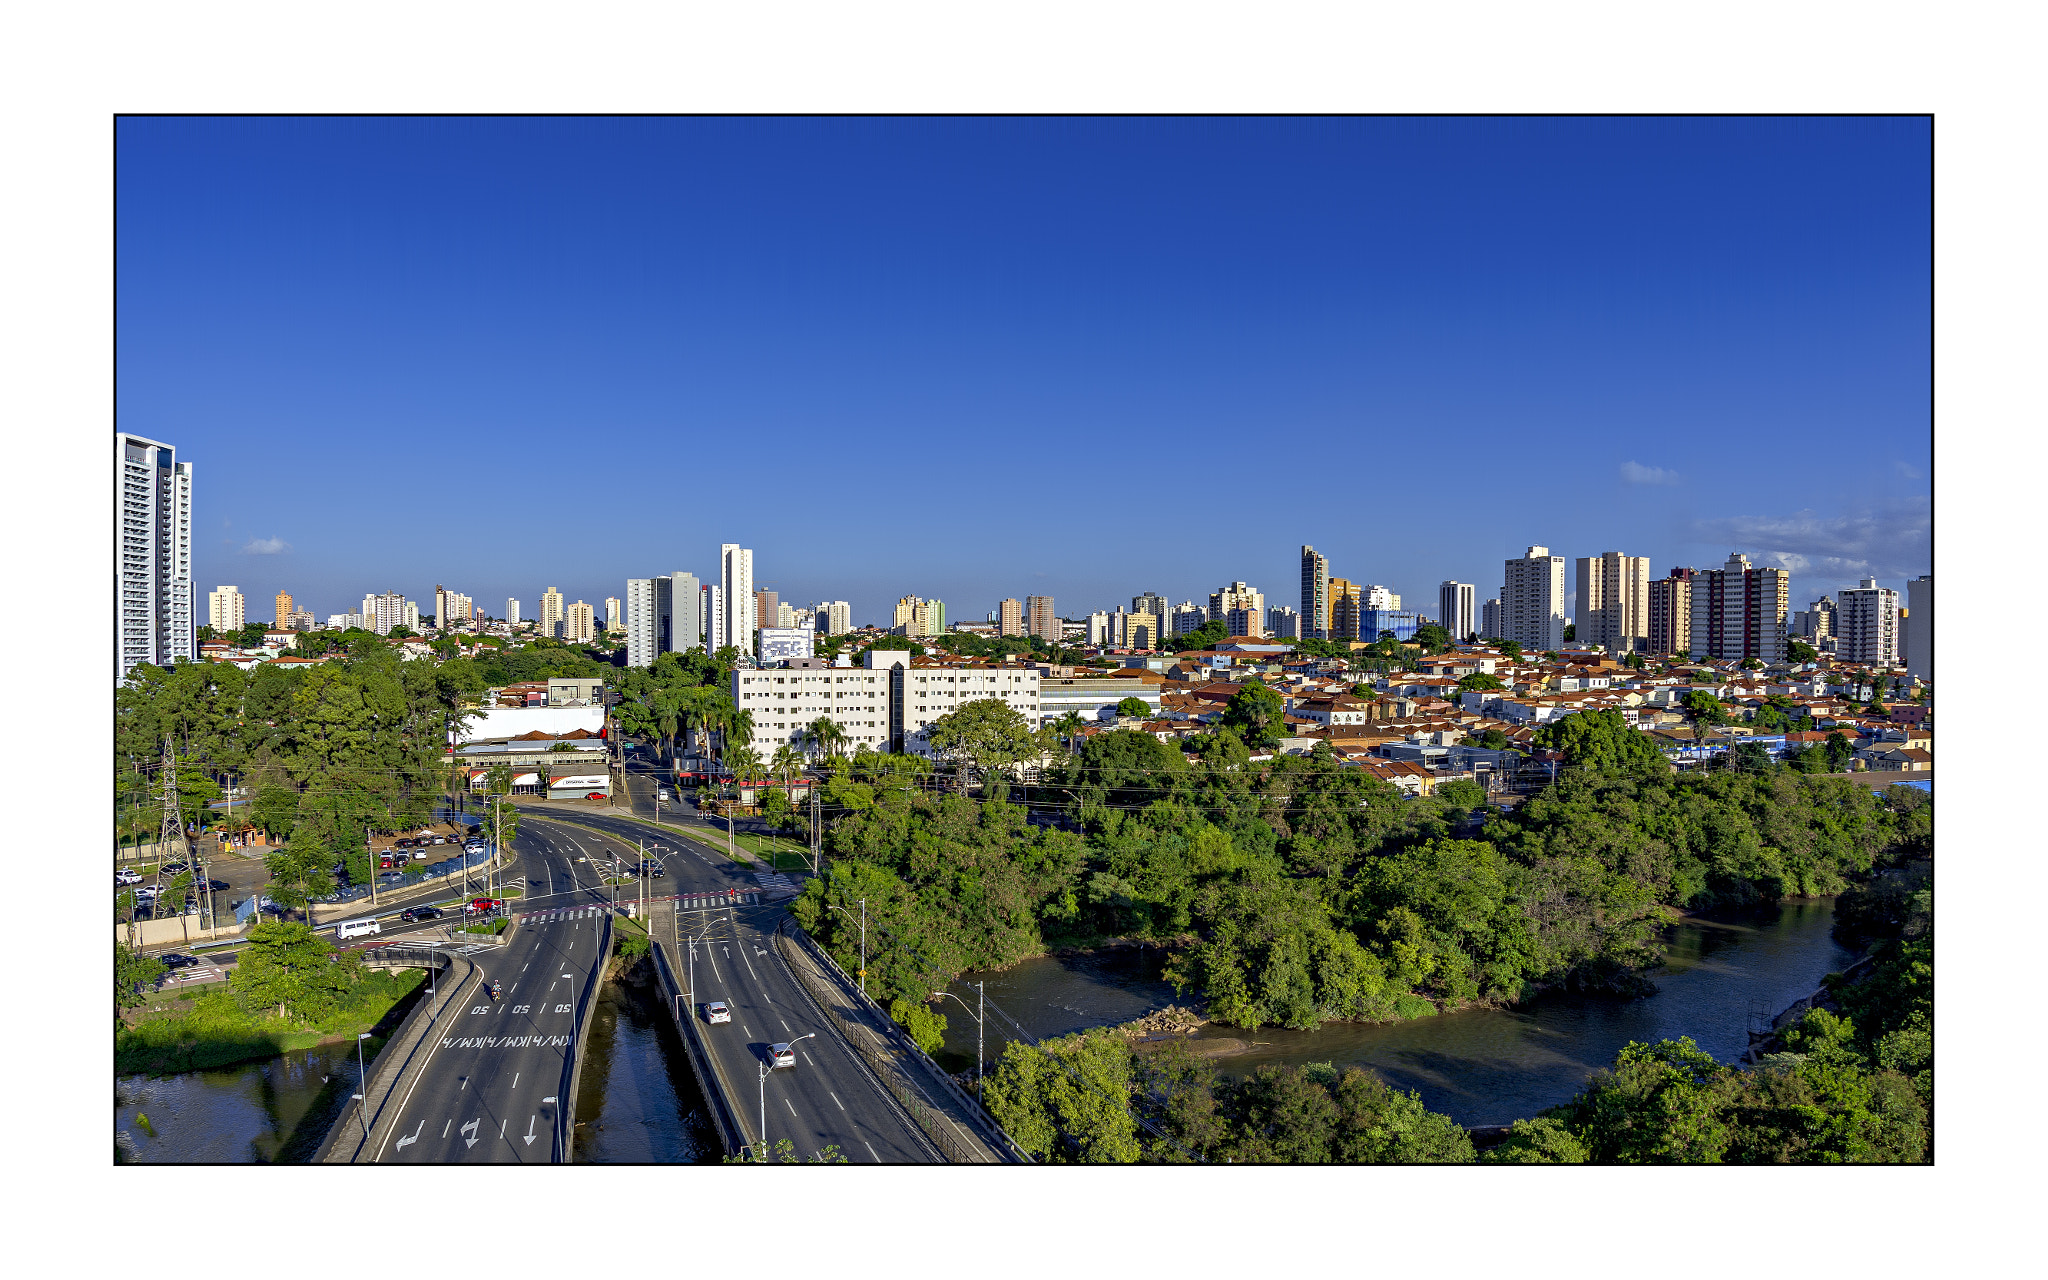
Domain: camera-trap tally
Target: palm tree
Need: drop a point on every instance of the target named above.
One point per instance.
(668, 708)
(825, 734)
(1068, 726)
(785, 764)
(745, 763)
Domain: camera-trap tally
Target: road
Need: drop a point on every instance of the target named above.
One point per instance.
(490, 1090)
(829, 1099)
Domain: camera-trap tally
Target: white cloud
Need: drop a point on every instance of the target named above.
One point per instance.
(1891, 542)
(1908, 470)
(265, 546)
(1637, 473)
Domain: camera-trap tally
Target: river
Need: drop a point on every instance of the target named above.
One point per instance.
(638, 1100)
(1479, 1066)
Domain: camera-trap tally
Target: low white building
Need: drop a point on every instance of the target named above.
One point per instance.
(887, 704)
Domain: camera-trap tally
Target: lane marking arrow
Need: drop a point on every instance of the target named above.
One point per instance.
(468, 1132)
(529, 1131)
(415, 1135)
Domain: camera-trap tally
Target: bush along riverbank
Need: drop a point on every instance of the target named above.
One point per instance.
(1312, 891)
(290, 990)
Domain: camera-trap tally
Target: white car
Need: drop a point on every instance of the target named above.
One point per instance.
(717, 1012)
(781, 1055)
(127, 877)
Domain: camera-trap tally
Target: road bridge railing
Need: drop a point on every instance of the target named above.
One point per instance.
(911, 1077)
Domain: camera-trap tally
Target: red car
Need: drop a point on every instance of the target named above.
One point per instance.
(478, 906)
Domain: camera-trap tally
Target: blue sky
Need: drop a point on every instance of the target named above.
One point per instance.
(971, 359)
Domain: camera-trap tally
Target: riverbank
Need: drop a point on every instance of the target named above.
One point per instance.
(211, 1030)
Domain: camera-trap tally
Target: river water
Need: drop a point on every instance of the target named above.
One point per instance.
(638, 1100)
(258, 1112)
(1479, 1066)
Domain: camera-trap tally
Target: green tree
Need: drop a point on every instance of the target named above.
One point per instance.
(1801, 652)
(132, 971)
(290, 969)
(1479, 681)
(1133, 707)
(1207, 636)
(1704, 708)
(1602, 741)
(299, 873)
(1512, 650)
(1066, 1100)
(1432, 638)
(1543, 1140)
(987, 734)
(926, 1026)
(1256, 714)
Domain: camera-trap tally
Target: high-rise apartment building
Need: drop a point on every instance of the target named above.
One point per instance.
(1010, 617)
(736, 587)
(614, 614)
(284, 611)
(1134, 630)
(1235, 596)
(765, 609)
(153, 592)
(1454, 608)
(1099, 635)
(226, 609)
(1739, 611)
(551, 613)
(649, 610)
(833, 617)
(1346, 608)
(382, 614)
(1532, 600)
(511, 612)
(579, 624)
(1315, 595)
(1920, 626)
(1490, 623)
(1867, 622)
(1671, 612)
(1378, 597)
(1816, 622)
(450, 607)
(1186, 616)
(1282, 622)
(714, 617)
(1613, 609)
(302, 621)
(916, 616)
(686, 620)
(1039, 618)
(1249, 623)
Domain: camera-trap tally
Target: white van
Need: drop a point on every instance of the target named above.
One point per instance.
(356, 928)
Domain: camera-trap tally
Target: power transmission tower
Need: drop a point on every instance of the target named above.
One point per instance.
(172, 826)
(817, 831)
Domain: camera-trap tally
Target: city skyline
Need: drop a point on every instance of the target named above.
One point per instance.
(1651, 326)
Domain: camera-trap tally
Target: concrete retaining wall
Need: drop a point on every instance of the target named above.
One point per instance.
(710, 1080)
(176, 930)
(572, 1070)
(409, 1048)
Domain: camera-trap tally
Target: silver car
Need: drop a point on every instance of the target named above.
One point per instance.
(717, 1012)
(781, 1055)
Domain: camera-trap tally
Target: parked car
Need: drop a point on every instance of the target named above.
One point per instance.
(403, 842)
(440, 839)
(662, 795)
(174, 867)
(594, 795)
(717, 1012)
(127, 877)
(218, 886)
(781, 1055)
(419, 913)
(421, 855)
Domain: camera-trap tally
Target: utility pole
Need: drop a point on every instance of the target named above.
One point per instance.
(171, 827)
(375, 870)
(817, 829)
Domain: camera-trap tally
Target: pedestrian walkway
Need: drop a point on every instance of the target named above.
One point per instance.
(776, 881)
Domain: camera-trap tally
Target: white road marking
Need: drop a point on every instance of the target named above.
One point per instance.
(871, 1151)
(515, 1079)
(835, 1097)
(749, 1030)
(785, 1027)
(792, 1110)
(501, 1128)
(445, 1127)
(807, 1057)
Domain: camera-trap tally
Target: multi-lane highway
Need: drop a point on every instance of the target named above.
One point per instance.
(828, 1099)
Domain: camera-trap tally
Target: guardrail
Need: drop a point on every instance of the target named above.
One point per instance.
(710, 1080)
(935, 1122)
(572, 1065)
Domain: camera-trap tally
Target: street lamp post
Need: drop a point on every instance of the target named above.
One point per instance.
(979, 1011)
(363, 1083)
(763, 1068)
(863, 940)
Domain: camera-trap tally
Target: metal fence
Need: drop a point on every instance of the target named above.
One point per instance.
(902, 1085)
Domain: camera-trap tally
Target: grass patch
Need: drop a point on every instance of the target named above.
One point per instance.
(491, 927)
(217, 1032)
